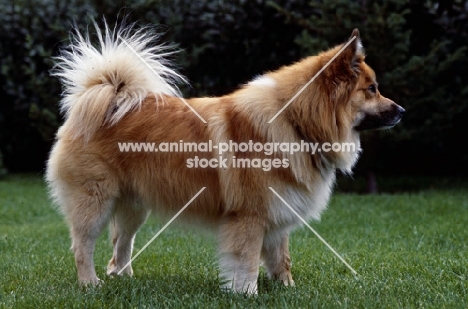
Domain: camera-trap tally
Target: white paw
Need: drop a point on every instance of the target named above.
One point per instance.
(89, 282)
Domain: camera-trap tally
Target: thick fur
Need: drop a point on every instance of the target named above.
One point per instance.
(112, 95)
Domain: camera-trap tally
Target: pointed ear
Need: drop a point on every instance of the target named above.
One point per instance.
(350, 60)
(344, 71)
(356, 44)
(347, 65)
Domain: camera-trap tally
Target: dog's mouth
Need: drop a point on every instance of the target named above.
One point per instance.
(384, 120)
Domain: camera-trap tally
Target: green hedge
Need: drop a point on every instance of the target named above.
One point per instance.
(31, 31)
(417, 50)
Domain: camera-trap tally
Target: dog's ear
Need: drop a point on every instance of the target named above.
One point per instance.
(356, 44)
(348, 64)
(344, 71)
(355, 52)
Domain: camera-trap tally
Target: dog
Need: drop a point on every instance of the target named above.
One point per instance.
(123, 89)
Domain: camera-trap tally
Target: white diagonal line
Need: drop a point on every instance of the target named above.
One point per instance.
(311, 80)
(193, 110)
(158, 76)
(161, 230)
(313, 231)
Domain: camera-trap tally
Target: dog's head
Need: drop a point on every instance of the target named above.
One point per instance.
(344, 97)
(370, 109)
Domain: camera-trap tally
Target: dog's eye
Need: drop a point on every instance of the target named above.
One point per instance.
(372, 88)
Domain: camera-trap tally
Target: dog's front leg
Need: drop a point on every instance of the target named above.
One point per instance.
(240, 243)
(275, 253)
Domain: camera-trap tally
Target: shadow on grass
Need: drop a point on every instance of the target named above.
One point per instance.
(178, 291)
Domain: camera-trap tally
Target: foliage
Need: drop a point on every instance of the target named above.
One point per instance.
(30, 33)
(420, 60)
(224, 44)
(3, 170)
(417, 49)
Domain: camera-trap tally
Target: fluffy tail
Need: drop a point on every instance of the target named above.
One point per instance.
(104, 82)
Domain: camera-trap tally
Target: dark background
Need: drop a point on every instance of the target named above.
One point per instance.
(417, 48)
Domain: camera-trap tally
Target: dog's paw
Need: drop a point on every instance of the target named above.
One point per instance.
(90, 282)
(286, 279)
(248, 289)
(113, 269)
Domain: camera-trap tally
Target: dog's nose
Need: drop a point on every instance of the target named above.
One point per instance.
(400, 110)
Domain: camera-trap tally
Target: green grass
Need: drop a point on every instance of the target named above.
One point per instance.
(410, 250)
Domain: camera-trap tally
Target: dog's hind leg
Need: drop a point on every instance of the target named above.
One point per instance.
(87, 207)
(275, 254)
(240, 243)
(126, 220)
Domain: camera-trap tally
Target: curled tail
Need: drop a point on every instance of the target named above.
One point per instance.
(103, 82)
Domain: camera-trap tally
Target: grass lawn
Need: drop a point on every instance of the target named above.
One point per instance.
(410, 250)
